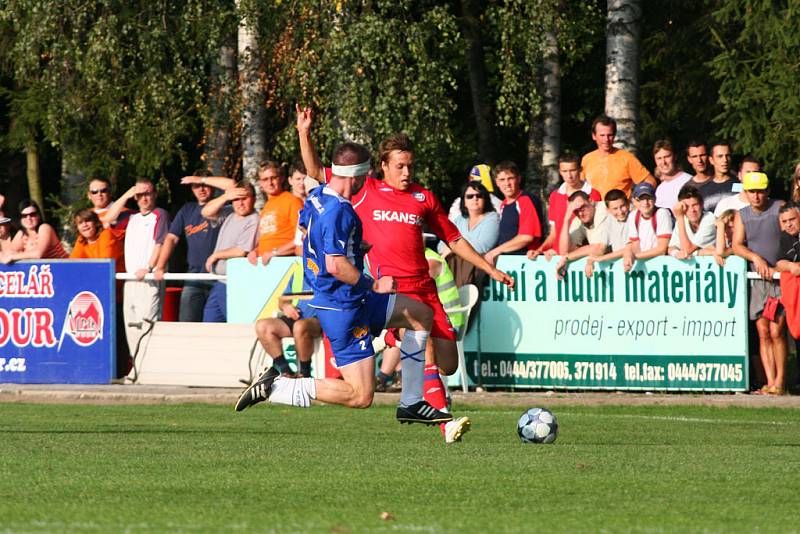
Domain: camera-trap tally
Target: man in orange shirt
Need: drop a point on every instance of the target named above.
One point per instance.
(609, 167)
(278, 218)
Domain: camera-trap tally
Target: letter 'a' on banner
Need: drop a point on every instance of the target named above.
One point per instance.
(57, 322)
(272, 304)
(666, 325)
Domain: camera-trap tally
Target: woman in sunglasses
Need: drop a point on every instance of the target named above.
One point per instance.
(479, 224)
(35, 239)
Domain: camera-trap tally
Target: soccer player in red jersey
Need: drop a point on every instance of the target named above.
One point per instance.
(392, 212)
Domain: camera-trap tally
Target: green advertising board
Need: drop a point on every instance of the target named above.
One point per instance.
(665, 325)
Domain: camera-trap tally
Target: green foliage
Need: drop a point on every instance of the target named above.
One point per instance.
(519, 28)
(678, 94)
(369, 69)
(198, 468)
(758, 72)
(117, 84)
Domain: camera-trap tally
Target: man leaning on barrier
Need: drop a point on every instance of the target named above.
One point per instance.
(756, 238)
(584, 235)
(235, 240)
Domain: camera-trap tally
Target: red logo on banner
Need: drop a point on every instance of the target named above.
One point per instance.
(84, 320)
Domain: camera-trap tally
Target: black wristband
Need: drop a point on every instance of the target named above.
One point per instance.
(364, 282)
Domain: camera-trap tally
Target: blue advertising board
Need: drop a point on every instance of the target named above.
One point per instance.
(57, 322)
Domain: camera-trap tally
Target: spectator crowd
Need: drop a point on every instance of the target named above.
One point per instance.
(609, 206)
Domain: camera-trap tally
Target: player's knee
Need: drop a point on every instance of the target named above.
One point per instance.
(448, 369)
(300, 328)
(362, 400)
(762, 327)
(262, 326)
(446, 366)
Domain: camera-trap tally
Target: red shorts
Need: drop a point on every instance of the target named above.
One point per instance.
(424, 290)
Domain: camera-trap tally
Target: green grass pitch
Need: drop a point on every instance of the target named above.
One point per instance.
(204, 468)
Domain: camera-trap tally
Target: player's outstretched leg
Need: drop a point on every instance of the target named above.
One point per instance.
(416, 317)
(422, 412)
(258, 391)
(456, 428)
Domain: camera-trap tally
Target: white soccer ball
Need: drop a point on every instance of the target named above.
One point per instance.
(537, 425)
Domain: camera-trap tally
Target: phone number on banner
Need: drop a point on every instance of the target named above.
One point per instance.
(503, 371)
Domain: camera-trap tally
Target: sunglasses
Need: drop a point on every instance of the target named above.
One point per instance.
(147, 194)
(98, 191)
(29, 214)
(470, 196)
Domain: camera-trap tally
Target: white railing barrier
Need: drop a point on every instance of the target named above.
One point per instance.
(214, 277)
(175, 276)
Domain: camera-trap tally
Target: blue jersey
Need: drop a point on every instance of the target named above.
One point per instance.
(333, 229)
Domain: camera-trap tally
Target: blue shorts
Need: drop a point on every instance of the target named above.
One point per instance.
(306, 311)
(351, 331)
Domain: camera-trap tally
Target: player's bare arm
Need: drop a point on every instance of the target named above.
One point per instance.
(463, 249)
(515, 243)
(314, 168)
(346, 272)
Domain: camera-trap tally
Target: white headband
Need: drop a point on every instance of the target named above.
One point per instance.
(350, 170)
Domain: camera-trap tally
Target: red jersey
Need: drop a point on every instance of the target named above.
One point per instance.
(558, 206)
(393, 220)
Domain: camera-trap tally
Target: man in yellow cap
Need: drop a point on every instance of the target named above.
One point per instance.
(738, 200)
(756, 238)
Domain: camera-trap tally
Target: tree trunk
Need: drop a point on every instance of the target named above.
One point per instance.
(252, 101)
(484, 118)
(32, 170)
(73, 188)
(551, 113)
(218, 131)
(623, 35)
(533, 167)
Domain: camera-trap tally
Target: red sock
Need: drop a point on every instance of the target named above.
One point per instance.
(434, 390)
(390, 338)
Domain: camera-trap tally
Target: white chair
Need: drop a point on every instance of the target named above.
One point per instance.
(468, 294)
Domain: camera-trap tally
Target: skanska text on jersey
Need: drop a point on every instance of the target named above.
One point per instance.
(396, 216)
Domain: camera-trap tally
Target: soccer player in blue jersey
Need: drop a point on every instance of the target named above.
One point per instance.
(351, 306)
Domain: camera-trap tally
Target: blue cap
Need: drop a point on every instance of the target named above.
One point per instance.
(644, 188)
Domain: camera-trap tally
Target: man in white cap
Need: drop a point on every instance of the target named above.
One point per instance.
(649, 228)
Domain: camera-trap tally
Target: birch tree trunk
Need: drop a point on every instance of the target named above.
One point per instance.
(73, 188)
(551, 113)
(484, 120)
(623, 35)
(533, 166)
(218, 131)
(251, 99)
